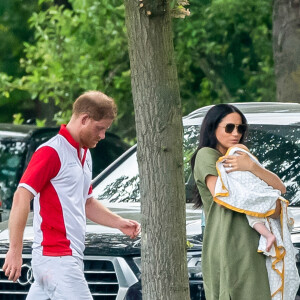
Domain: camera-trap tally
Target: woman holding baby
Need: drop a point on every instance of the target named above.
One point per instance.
(232, 268)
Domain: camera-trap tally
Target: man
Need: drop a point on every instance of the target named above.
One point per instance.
(58, 177)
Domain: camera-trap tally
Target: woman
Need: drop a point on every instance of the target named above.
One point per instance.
(232, 268)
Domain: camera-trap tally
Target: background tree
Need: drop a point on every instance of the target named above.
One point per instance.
(224, 53)
(286, 47)
(157, 107)
(14, 31)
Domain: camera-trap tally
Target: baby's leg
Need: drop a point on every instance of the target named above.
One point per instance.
(259, 225)
(270, 237)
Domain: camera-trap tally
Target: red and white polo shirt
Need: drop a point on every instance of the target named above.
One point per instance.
(59, 175)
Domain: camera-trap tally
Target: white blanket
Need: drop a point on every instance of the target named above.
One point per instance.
(244, 192)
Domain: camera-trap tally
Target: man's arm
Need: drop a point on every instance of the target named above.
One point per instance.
(98, 213)
(17, 222)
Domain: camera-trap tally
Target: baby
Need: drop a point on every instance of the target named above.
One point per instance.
(258, 223)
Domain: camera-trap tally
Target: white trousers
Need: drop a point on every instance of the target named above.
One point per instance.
(58, 278)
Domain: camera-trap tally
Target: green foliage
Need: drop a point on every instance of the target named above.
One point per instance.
(14, 30)
(40, 123)
(224, 52)
(18, 119)
(78, 50)
(5, 84)
(178, 8)
(223, 49)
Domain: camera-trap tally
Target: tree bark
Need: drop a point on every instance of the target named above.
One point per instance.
(286, 49)
(158, 117)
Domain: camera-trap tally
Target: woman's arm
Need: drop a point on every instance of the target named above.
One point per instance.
(243, 162)
(211, 181)
(269, 177)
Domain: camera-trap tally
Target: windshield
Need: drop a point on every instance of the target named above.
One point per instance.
(11, 161)
(276, 147)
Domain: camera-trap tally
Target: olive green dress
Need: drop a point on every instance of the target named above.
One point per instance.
(232, 267)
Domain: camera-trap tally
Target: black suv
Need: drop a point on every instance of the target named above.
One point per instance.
(17, 144)
(112, 261)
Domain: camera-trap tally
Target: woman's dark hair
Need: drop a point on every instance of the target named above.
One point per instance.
(208, 137)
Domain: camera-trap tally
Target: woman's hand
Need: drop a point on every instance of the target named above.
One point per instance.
(240, 162)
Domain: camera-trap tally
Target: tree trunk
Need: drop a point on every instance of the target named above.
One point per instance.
(286, 48)
(157, 108)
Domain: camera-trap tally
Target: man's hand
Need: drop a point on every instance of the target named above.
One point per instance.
(17, 221)
(12, 265)
(129, 227)
(98, 213)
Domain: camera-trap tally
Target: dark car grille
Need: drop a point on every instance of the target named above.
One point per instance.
(100, 272)
(102, 279)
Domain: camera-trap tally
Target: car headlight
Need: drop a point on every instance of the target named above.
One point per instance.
(193, 263)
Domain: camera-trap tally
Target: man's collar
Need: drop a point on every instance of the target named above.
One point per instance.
(66, 134)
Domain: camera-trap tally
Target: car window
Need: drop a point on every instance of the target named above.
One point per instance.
(122, 185)
(106, 152)
(12, 155)
(276, 147)
(190, 143)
